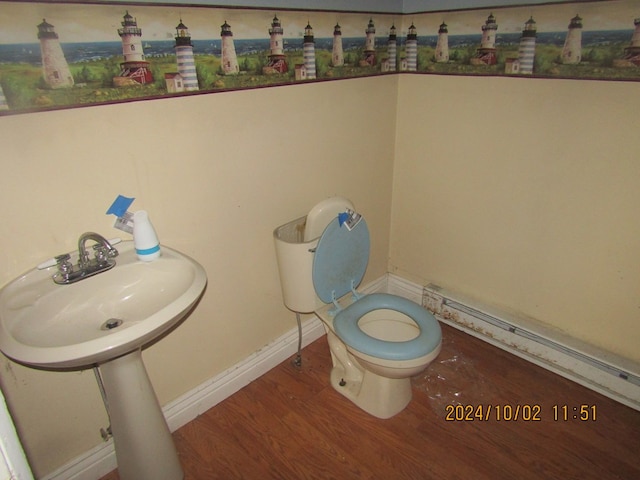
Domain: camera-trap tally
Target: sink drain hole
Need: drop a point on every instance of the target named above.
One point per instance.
(111, 324)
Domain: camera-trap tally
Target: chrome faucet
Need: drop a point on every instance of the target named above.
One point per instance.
(103, 260)
(102, 248)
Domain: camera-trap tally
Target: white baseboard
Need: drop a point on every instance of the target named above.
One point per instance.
(100, 460)
(584, 364)
(215, 390)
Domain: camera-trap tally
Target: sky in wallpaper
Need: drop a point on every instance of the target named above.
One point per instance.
(93, 72)
(18, 20)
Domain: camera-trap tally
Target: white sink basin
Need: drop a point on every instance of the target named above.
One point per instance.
(43, 324)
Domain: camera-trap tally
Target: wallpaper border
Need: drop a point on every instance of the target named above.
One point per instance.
(59, 55)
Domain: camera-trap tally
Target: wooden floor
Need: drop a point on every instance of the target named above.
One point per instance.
(291, 424)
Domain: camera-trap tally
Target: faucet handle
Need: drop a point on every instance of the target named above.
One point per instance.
(100, 253)
(64, 264)
(103, 253)
(64, 258)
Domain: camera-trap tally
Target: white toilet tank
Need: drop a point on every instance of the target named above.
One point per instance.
(295, 244)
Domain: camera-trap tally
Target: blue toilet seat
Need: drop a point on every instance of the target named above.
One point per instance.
(346, 326)
(339, 265)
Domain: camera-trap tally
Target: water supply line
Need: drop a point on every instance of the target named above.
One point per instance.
(297, 361)
(105, 434)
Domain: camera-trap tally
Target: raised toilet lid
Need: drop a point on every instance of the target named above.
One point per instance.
(339, 264)
(340, 260)
(322, 213)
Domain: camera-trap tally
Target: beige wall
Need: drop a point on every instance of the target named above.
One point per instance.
(523, 194)
(217, 174)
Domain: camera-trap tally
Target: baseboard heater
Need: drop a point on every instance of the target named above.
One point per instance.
(613, 376)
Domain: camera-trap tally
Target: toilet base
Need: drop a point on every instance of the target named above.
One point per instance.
(381, 397)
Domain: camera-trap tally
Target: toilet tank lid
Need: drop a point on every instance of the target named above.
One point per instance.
(341, 259)
(322, 213)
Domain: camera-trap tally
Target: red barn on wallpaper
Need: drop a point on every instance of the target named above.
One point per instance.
(64, 55)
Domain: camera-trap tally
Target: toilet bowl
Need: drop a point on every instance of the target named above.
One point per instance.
(389, 333)
(377, 341)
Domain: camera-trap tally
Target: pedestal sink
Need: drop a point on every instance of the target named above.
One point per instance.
(104, 321)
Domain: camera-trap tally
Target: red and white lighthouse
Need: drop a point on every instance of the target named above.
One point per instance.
(486, 54)
(277, 59)
(370, 44)
(134, 66)
(632, 52)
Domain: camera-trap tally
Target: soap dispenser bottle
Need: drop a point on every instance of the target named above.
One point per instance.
(145, 239)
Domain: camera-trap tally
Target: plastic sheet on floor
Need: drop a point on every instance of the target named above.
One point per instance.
(451, 379)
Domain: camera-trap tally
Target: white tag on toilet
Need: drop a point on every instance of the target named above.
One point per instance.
(352, 219)
(125, 222)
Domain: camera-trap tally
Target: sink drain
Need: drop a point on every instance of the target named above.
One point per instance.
(111, 324)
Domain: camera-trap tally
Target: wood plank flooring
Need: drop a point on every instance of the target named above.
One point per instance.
(291, 424)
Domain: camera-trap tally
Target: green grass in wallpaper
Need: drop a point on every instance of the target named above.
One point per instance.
(24, 87)
(87, 63)
(597, 63)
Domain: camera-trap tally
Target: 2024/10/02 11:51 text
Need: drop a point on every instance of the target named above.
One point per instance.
(525, 413)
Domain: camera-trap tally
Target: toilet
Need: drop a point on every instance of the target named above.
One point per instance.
(378, 341)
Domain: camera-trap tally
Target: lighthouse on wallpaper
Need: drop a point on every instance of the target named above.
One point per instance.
(229, 57)
(442, 48)
(486, 54)
(392, 49)
(134, 66)
(370, 44)
(572, 49)
(411, 49)
(524, 63)
(632, 52)
(3, 100)
(527, 49)
(55, 69)
(309, 52)
(184, 57)
(277, 59)
(337, 54)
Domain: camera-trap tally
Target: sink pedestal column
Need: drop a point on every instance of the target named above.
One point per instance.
(143, 442)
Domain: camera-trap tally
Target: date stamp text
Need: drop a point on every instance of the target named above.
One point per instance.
(520, 413)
